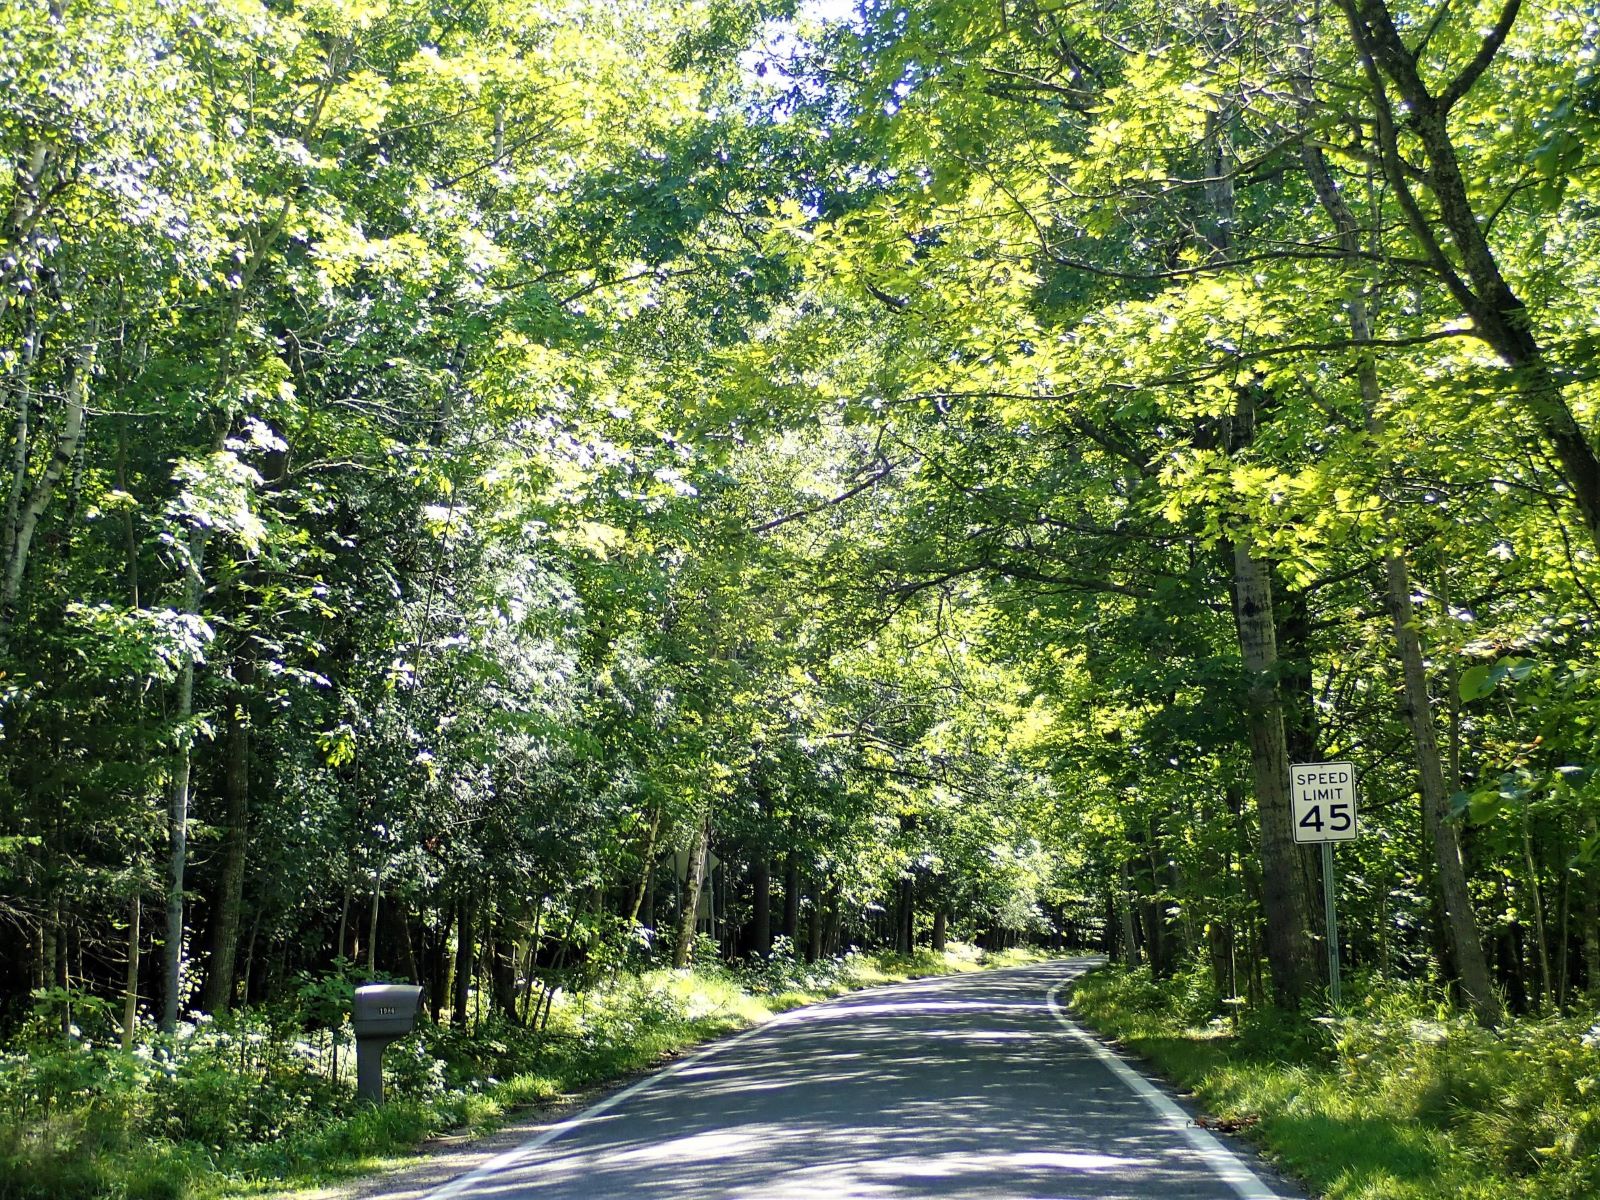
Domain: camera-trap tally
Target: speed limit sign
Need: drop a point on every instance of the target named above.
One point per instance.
(1324, 796)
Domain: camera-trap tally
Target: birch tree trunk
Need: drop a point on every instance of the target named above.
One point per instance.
(688, 918)
(66, 449)
(21, 431)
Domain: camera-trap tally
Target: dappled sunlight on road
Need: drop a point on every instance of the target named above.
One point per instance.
(957, 1087)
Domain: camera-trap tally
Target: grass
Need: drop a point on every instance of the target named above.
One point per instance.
(249, 1110)
(1398, 1098)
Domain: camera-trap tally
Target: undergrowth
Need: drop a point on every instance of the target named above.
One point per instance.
(1398, 1098)
(256, 1102)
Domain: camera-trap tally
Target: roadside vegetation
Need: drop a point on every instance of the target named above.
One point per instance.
(503, 493)
(1398, 1097)
(262, 1101)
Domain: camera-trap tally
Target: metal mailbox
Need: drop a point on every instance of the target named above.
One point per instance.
(386, 1010)
(380, 1013)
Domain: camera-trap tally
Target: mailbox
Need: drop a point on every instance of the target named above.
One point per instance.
(386, 1010)
(381, 1012)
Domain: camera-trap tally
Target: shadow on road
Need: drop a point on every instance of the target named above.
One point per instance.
(951, 1087)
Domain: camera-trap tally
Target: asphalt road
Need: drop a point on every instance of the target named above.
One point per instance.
(970, 1086)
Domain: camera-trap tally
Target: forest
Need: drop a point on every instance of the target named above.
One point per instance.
(513, 494)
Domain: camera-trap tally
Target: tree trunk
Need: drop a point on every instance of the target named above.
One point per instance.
(1128, 941)
(178, 846)
(440, 965)
(1536, 905)
(689, 916)
(817, 924)
(1296, 689)
(66, 449)
(21, 435)
(372, 924)
(1590, 910)
(941, 919)
(248, 992)
(761, 860)
(533, 955)
(503, 970)
(397, 926)
(791, 900)
(466, 945)
(1563, 933)
(1219, 945)
(63, 968)
(831, 930)
(906, 917)
(761, 915)
(1282, 896)
(1450, 877)
(647, 871)
(218, 994)
(130, 992)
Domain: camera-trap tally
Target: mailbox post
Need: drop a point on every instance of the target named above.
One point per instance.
(381, 1013)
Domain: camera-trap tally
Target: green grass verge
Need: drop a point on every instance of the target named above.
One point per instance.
(1397, 1099)
(238, 1114)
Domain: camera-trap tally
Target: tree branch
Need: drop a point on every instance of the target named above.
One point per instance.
(1462, 83)
(870, 481)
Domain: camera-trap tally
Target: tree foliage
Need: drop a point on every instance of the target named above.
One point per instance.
(495, 488)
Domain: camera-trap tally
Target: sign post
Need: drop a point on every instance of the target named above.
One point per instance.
(1330, 915)
(1324, 800)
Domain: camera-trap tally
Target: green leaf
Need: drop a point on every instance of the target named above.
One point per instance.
(1519, 669)
(1484, 806)
(1475, 683)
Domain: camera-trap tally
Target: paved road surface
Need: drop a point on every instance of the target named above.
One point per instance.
(973, 1086)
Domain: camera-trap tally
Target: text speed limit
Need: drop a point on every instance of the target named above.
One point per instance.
(1324, 796)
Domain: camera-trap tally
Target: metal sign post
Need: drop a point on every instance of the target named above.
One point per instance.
(1331, 915)
(1324, 802)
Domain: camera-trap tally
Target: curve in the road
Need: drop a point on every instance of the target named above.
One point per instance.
(973, 1086)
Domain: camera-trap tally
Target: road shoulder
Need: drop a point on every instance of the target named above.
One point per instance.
(1234, 1141)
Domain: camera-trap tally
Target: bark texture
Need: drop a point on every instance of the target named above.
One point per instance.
(688, 918)
(218, 993)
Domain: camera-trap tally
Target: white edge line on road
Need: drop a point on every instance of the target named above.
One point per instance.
(517, 1154)
(525, 1150)
(1229, 1167)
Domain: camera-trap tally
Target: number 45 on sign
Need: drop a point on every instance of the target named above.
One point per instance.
(1324, 797)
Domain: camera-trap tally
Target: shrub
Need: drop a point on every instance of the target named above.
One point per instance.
(1448, 1107)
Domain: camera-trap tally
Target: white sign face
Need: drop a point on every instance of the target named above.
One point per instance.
(680, 864)
(1324, 796)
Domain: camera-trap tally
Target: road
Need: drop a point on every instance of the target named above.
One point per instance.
(973, 1086)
